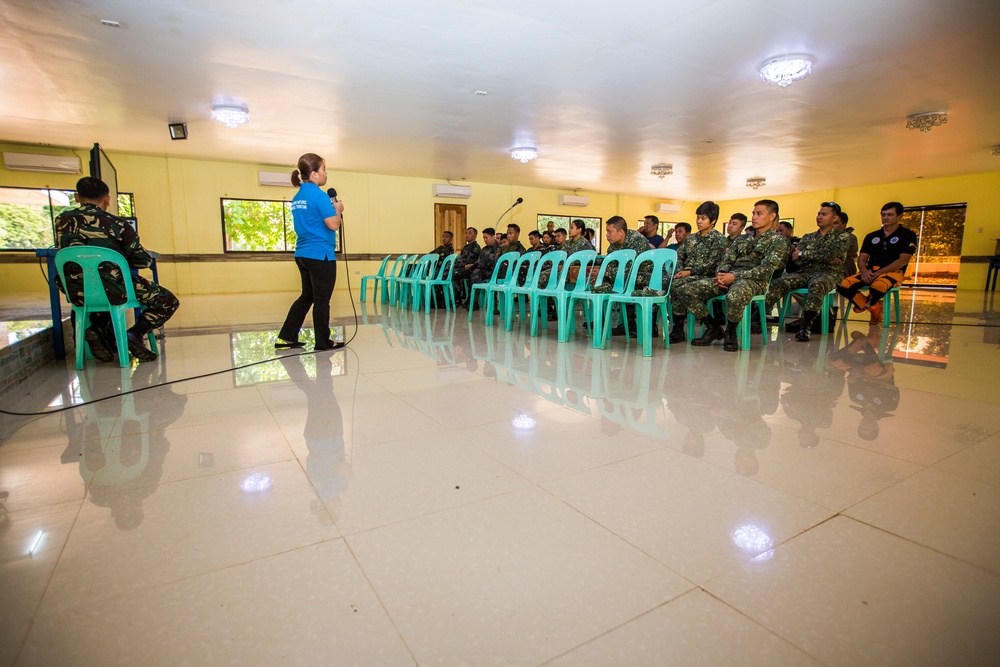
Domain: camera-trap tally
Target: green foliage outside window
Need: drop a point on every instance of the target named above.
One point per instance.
(28, 215)
(257, 225)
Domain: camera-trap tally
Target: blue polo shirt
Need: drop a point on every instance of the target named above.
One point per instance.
(314, 240)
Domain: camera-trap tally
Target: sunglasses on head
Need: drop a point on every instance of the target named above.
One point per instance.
(831, 204)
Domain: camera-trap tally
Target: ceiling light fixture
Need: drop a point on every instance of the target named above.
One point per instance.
(782, 70)
(661, 170)
(230, 114)
(755, 182)
(925, 121)
(178, 131)
(524, 154)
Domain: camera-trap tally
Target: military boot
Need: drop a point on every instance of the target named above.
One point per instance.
(730, 339)
(713, 332)
(807, 319)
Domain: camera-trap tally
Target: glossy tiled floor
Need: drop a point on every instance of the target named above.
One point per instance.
(835, 502)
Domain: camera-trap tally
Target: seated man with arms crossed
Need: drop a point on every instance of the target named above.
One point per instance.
(91, 224)
(620, 237)
(881, 263)
(465, 263)
(742, 274)
(820, 259)
(697, 257)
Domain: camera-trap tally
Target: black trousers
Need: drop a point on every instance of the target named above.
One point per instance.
(318, 279)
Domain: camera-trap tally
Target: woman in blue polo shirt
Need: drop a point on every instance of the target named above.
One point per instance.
(317, 220)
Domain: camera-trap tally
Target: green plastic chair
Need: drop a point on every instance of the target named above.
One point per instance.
(786, 307)
(426, 286)
(664, 260)
(376, 279)
(561, 291)
(502, 292)
(891, 298)
(406, 286)
(95, 299)
(400, 268)
(595, 303)
(501, 274)
(554, 261)
(743, 334)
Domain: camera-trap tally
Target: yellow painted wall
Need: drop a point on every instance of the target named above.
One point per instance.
(177, 203)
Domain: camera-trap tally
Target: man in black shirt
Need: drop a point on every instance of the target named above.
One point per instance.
(881, 263)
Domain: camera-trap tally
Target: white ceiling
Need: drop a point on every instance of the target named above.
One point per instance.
(603, 89)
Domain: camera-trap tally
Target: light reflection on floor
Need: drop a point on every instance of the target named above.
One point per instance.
(387, 504)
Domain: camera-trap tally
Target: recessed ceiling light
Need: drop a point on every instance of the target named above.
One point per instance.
(782, 70)
(108, 23)
(481, 92)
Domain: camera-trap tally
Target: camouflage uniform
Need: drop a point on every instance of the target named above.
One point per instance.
(92, 226)
(633, 241)
(470, 255)
(514, 247)
(821, 263)
(700, 255)
(752, 260)
(442, 251)
(483, 269)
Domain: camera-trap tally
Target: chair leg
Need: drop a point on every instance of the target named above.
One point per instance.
(764, 331)
(121, 335)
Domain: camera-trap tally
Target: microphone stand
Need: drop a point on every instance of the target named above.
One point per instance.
(508, 211)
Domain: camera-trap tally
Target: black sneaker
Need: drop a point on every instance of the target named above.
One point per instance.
(803, 335)
(98, 347)
(138, 350)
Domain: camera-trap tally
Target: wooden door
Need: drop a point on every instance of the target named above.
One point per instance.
(450, 218)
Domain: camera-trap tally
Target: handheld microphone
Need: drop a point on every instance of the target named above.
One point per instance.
(332, 193)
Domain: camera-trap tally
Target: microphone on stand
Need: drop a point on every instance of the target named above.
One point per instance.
(519, 200)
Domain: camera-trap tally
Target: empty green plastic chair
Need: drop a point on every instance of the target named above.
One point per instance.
(95, 299)
(595, 303)
(442, 280)
(406, 286)
(535, 267)
(501, 273)
(378, 278)
(663, 260)
(503, 292)
(565, 285)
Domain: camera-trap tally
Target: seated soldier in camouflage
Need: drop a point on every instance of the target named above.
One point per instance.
(575, 243)
(535, 240)
(742, 274)
(559, 238)
(620, 237)
(483, 270)
(513, 244)
(465, 263)
(91, 224)
(697, 257)
(819, 256)
(446, 248)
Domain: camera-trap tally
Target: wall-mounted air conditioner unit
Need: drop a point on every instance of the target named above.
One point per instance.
(452, 191)
(573, 200)
(275, 178)
(668, 208)
(60, 164)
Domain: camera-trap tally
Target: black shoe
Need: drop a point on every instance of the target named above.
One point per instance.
(803, 335)
(677, 334)
(618, 330)
(328, 345)
(288, 345)
(98, 347)
(793, 326)
(713, 332)
(730, 343)
(138, 350)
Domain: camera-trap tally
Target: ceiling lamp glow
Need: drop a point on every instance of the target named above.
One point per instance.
(230, 115)
(925, 121)
(661, 170)
(756, 182)
(524, 154)
(782, 70)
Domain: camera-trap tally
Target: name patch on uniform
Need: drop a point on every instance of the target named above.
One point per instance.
(876, 240)
(894, 239)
